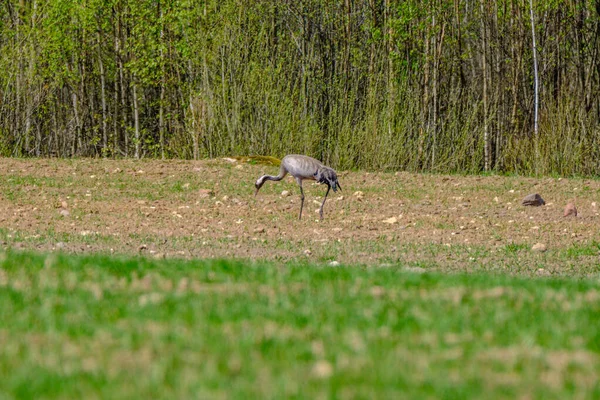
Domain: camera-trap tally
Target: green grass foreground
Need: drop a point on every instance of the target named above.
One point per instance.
(103, 327)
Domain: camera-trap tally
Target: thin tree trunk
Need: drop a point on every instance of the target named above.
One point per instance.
(75, 142)
(438, 43)
(115, 119)
(499, 98)
(459, 42)
(536, 80)
(424, 130)
(123, 88)
(516, 51)
(161, 121)
(81, 98)
(305, 67)
(30, 97)
(55, 131)
(484, 53)
(161, 110)
(103, 98)
(593, 63)
(19, 81)
(224, 94)
(195, 149)
(136, 120)
(434, 92)
(206, 91)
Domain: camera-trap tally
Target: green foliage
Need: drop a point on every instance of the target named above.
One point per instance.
(513, 248)
(123, 327)
(384, 85)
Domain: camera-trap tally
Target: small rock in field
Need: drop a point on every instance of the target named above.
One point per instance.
(307, 252)
(64, 204)
(391, 220)
(340, 198)
(334, 263)
(285, 193)
(543, 272)
(539, 247)
(570, 209)
(143, 247)
(160, 256)
(359, 195)
(185, 186)
(204, 193)
(594, 204)
(260, 229)
(60, 245)
(65, 213)
(533, 200)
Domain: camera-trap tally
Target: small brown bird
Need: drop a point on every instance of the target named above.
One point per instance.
(303, 167)
(570, 209)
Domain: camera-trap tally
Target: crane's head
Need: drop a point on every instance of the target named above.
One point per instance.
(328, 176)
(258, 184)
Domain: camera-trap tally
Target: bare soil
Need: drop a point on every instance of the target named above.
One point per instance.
(208, 209)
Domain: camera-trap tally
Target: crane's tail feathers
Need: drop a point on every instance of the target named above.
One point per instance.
(334, 185)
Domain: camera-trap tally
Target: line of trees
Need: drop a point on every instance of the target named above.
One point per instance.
(439, 85)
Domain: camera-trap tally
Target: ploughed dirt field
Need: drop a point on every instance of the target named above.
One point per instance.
(199, 209)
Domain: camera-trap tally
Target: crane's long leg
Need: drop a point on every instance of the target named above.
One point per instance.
(301, 197)
(323, 203)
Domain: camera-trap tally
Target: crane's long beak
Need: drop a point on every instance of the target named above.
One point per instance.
(255, 192)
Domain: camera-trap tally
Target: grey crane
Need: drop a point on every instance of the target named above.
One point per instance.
(301, 168)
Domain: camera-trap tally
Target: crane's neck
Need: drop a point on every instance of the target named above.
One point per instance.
(261, 181)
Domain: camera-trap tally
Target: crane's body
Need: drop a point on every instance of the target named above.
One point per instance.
(303, 167)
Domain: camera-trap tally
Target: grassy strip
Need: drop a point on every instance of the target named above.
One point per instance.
(576, 261)
(99, 326)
